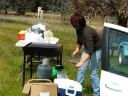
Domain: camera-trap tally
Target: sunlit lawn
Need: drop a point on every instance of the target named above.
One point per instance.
(11, 57)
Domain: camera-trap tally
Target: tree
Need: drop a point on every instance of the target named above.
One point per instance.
(20, 5)
(4, 5)
(90, 8)
(34, 5)
(120, 9)
(63, 7)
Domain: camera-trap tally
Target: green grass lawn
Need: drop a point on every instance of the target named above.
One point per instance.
(11, 57)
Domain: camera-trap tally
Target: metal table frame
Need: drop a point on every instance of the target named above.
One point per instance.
(39, 49)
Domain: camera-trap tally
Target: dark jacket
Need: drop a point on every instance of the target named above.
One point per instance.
(90, 38)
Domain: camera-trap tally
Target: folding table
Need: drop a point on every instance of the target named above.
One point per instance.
(40, 49)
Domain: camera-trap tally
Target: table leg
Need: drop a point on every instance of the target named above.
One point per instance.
(31, 67)
(60, 59)
(24, 70)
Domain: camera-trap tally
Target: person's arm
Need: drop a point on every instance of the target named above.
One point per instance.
(86, 57)
(90, 48)
(78, 47)
(79, 43)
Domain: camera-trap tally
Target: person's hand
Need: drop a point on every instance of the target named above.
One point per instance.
(78, 65)
(74, 53)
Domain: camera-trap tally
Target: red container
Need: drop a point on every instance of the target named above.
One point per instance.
(21, 36)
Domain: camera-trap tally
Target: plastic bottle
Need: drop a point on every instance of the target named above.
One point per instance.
(48, 38)
(44, 71)
(61, 72)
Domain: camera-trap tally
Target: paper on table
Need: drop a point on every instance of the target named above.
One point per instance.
(22, 43)
(53, 40)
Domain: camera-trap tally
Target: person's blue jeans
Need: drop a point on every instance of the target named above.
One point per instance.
(93, 64)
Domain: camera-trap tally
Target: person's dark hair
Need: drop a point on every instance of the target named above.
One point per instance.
(77, 21)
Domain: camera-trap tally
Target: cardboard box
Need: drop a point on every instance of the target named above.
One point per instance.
(40, 89)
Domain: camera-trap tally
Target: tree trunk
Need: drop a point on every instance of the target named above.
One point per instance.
(122, 21)
(21, 11)
(6, 12)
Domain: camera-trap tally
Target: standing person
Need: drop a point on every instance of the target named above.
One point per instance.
(91, 54)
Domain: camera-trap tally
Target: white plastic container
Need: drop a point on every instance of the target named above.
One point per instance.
(68, 87)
